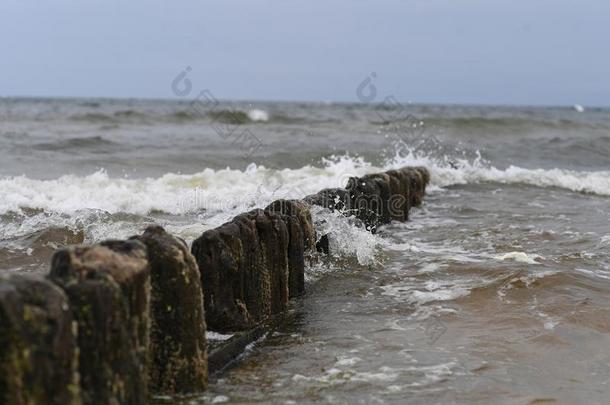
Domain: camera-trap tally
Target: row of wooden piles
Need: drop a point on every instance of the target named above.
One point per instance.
(120, 320)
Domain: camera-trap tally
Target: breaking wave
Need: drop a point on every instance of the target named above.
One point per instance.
(446, 171)
(231, 191)
(225, 190)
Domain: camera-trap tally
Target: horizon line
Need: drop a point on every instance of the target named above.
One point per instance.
(304, 101)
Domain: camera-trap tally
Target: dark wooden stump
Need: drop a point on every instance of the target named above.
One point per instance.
(108, 287)
(244, 270)
(301, 238)
(38, 353)
(177, 337)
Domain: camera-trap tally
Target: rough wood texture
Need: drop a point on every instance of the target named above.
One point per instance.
(108, 288)
(177, 338)
(301, 238)
(38, 354)
(244, 270)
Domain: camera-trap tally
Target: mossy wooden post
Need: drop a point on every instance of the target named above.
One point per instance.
(244, 270)
(177, 339)
(108, 287)
(218, 253)
(301, 239)
(38, 354)
(273, 236)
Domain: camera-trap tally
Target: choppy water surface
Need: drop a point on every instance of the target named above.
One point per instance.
(495, 292)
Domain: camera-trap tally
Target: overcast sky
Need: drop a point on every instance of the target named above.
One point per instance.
(434, 51)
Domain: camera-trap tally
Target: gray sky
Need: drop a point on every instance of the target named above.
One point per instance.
(433, 51)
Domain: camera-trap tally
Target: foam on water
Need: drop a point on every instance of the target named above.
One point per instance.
(519, 257)
(208, 199)
(211, 335)
(215, 196)
(231, 191)
(258, 115)
(211, 197)
(415, 293)
(346, 238)
(446, 171)
(227, 190)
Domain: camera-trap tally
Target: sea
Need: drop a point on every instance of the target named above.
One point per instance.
(496, 291)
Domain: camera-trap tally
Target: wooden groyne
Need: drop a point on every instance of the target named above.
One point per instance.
(118, 321)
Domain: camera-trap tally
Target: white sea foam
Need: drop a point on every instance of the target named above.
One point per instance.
(334, 376)
(231, 191)
(215, 196)
(210, 335)
(258, 115)
(462, 171)
(348, 361)
(521, 257)
(212, 196)
(220, 399)
(346, 239)
(429, 292)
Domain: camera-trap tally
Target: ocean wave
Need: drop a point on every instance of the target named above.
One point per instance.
(520, 257)
(231, 191)
(256, 115)
(225, 116)
(92, 117)
(211, 197)
(424, 294)
(488, 125)
(98, 206)
(127, 115)
(91, 142)
(225, 191)
(194, 113)
(446, 171)
(238, 117)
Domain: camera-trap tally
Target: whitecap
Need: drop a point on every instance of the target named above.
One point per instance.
(447, 172)
(258, 115)
(210, 335)
(521, 257)
(227, 190)
(348, 361)
(220, 399)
